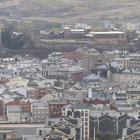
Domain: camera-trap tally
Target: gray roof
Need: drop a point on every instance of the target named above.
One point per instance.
(124, 108)
(76, 97)
(92, 78)
(3, 118)
(57, 102)
(102, 67)
(55, 73)
(79, 106)
(3, 71)
(40, 104)
(102, 95)
(133, 89)
(13, 108)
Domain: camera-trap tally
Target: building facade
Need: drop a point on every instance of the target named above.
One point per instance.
(90, 61)
(40, 111)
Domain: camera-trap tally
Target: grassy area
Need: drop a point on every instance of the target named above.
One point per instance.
(78, 8)
(52, 2)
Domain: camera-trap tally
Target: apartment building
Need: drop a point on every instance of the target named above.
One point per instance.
(24, 106)
(133, 93)
(134, 63)
(55, 108)
(108, 120)
(58, 129)
(79, 110)
(134, 55)
(2, 111)
(92, 60)
(125, 62)
(40, 111)
(14, 113)
(38, 92)
(70, 73)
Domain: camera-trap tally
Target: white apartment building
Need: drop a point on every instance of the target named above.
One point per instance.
(14, 113)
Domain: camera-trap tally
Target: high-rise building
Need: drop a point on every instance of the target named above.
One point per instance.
(90, 61)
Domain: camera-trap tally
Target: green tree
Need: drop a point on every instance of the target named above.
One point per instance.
(10, 27)
(99, 135)
(106, 136)
(12, 43)
(92, 139)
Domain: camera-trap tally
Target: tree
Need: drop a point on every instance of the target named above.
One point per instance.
(12, 43)
(10, 27)
(92, 139)
(99, 135)
(131, 50)
(106, 136)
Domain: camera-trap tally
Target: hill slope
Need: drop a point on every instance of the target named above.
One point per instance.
(74, 11)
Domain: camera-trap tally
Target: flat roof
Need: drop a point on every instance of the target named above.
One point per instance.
(106, 33)
(121, 58)
(77, 30)
(21, 125)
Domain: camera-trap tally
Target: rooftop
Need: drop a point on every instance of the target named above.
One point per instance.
(79, 106)
(13, 108)
(106, 32)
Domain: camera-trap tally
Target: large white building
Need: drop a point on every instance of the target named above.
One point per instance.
(13, 114)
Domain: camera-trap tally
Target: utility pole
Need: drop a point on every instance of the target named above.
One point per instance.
(94, 133)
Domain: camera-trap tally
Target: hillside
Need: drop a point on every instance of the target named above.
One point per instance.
(74, 11)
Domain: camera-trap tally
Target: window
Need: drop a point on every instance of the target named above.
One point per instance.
(38, 116)
(39, 112)
(51, 106)
(34, 112)
(43, 112)
(34, 116)
(86, 123)
(86, 119)
(82, 113)
(86, 114)
(34, 107)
